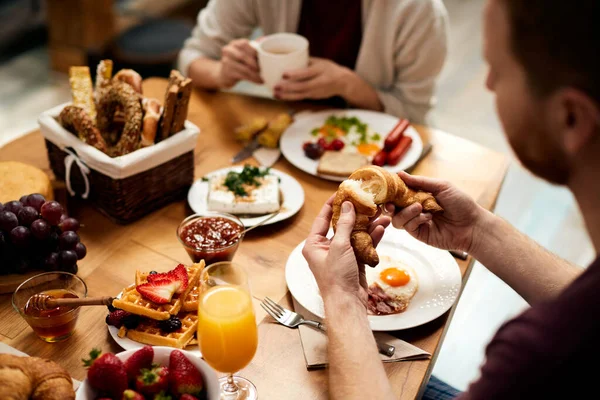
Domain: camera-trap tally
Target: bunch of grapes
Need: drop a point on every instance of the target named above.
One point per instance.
(35, 234)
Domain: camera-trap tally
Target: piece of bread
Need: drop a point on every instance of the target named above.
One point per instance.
(18, 179)
(340, 164)
(34, 378)
(181, 105)
(367, 188)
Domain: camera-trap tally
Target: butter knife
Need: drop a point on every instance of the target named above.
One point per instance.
(246, 152)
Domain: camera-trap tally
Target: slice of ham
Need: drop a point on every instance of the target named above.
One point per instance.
(381, 303)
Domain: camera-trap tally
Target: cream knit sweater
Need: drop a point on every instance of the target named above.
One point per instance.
(403, 47)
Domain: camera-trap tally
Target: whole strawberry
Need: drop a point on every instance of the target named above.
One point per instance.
(106, 373)
(152, 380)
(132, 395)
(184, 376)
(139, 360)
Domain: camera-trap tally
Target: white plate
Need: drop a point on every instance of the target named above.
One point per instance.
(128, 344)
(438, 273)
(293, 196)
(299, 132)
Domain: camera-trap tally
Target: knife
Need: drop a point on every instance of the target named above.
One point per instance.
(247, 151)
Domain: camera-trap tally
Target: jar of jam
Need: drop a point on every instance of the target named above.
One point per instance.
(211, 237)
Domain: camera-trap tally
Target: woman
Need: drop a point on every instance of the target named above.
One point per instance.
(378, 55)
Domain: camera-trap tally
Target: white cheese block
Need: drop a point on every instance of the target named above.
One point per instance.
(263, 199)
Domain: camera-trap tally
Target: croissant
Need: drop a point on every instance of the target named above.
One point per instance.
(23, 378)
(367, 188)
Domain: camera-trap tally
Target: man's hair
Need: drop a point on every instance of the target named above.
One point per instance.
(556, 41)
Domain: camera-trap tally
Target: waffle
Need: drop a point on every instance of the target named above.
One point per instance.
(148, 332)
(131, 300)
(190, 303)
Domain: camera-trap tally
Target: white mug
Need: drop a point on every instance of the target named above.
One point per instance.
(278, 53)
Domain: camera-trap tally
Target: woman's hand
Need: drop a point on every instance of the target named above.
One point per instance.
(459, 227)
(332, 261)
(238, 62)
(320, 80)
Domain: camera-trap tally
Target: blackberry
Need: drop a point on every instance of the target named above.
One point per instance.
(170, 325)
(111, 308)
(131, 321)
(153, 273)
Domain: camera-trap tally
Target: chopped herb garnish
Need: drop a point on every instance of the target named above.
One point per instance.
(205, 179)
(376, 137)
(315, 132)
(235, 181)
(334, 123)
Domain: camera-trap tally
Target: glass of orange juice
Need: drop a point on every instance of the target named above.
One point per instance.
(227, 333)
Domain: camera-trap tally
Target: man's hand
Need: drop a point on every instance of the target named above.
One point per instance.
(332, 261)
(238, 62)
(457, 228)
(320, 80)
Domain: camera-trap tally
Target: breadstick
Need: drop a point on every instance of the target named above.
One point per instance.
(103, 74)
(82, 90)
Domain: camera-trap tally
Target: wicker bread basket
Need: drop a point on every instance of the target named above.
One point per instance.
(124, 188)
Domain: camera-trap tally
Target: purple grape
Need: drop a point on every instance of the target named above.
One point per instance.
(52, 241)
(51, 262)
(8, 221)
(1, 207)
(72, 269)
(20, 236)
(36, 201)
(69, 224)
(23, 199)
(40, 228)
(27, 215)
(13, 206)
(67, 258)
(68, 240)
(2, 241)
(80, 250)
(51, 211)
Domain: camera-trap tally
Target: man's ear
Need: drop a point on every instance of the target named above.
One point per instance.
(579, 119)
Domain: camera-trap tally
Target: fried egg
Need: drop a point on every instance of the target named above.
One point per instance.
(396, 280)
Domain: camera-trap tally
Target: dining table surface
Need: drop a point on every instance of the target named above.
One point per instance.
(115, 251)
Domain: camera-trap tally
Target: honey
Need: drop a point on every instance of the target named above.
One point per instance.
(55, 324)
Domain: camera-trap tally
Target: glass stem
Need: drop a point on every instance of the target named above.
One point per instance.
(230, 387)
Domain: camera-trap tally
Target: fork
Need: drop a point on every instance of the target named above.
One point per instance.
(292, 319)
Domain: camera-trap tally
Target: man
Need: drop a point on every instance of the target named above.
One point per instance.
(378, 55)
(543, 68)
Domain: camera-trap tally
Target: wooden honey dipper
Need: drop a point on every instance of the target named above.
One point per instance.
(45, 302)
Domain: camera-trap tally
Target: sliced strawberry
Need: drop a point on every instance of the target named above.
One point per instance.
(178, 274)
(160, 291)
(139, 360)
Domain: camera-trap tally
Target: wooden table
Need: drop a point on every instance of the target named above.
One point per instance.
(115, 252)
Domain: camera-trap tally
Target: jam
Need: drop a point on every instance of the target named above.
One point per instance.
(211, 239)
(54, 324)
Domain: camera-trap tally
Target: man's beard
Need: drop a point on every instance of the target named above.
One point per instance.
(544, 161)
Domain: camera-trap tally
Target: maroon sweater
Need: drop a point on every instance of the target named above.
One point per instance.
(542, 354)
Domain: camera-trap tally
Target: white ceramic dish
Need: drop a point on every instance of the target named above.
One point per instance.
(300, 131)
(161, 356)
(293, 196)
(438, 273)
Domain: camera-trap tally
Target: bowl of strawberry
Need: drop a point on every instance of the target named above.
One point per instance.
(148, 373)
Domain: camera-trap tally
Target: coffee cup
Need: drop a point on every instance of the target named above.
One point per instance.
(278, 53)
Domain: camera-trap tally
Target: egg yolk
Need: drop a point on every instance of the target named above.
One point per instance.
(368, 149)
(394, 277)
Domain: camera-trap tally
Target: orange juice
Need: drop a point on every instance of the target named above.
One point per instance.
(226, 328)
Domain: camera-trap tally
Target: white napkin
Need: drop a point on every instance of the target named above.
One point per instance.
(266, 157)
(4, 348)
(314, 344)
